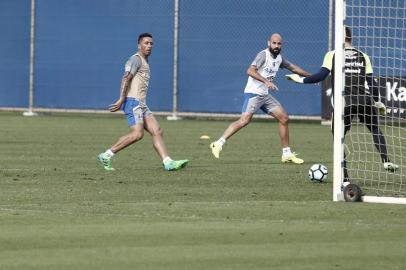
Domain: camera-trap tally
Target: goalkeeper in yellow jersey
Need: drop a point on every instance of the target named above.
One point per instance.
(360, 101)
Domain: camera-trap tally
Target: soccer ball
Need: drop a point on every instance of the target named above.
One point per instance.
(318, 173)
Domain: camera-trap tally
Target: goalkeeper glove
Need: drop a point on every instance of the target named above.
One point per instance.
(294, 77)
(381, 107)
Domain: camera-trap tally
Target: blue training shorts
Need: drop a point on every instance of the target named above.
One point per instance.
(135, 111)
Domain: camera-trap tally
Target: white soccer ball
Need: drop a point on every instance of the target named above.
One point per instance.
(318, 173)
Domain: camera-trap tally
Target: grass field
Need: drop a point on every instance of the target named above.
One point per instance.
(60, 210)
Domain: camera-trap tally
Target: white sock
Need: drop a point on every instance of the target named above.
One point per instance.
(286, 151)
(221, 141)
(166, 160)
(109, 153)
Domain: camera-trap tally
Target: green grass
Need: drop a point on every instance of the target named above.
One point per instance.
(60, 210)
(365, 166)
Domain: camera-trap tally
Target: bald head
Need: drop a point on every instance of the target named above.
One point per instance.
(275, 44)
(275, 36)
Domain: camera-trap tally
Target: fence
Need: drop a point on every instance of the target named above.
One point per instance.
(81, 47)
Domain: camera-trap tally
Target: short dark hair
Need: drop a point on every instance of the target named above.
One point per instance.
(143, 35)
(348, 35)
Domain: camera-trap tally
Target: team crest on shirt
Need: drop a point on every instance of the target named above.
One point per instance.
(350, 54)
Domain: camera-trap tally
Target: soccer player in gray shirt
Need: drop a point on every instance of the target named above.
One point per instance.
(132, 100)
(261, 73)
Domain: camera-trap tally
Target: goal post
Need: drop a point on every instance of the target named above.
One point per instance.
(374, 144)
(338, 104)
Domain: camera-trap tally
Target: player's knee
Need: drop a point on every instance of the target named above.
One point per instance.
(135, 136)
(284, 119)
(157, 132)
(374, 129)
(243, 121)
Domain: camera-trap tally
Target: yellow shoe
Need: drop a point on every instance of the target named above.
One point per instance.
(292, 158)
(216, 149)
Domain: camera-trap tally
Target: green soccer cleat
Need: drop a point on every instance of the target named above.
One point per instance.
(176, 165)
(292, 159)
(106, 162)
(216, 149)
(390, 167)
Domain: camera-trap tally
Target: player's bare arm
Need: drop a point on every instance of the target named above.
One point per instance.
(125, 82)
(253, 72)
(298, 70)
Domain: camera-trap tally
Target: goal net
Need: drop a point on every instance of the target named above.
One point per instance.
(374, 138)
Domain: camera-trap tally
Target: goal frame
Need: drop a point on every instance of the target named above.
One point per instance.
(338, 166)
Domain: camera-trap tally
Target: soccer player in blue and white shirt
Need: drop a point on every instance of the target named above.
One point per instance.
(261, 74)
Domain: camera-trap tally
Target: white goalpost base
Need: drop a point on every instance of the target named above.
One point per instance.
(376, 199)
(173, 117)
(30, 113)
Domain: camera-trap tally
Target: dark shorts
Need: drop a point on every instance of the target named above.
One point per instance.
(362, 108)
